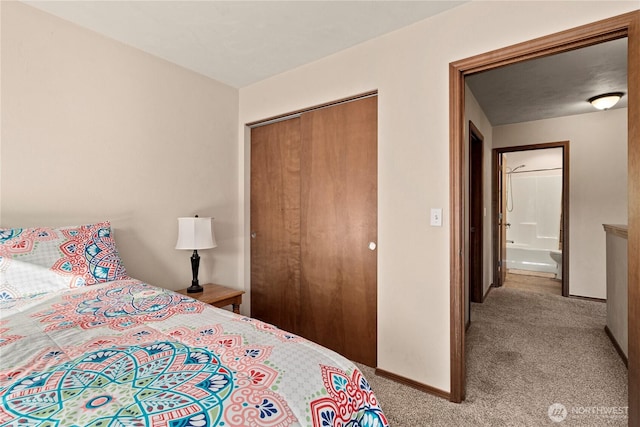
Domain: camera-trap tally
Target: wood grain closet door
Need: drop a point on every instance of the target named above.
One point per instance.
(338, 287)
(275, 223)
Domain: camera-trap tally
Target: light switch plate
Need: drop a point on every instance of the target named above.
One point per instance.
(436, 217)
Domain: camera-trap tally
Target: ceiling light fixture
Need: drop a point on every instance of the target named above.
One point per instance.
(606, 100)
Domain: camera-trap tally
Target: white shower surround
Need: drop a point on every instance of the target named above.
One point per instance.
(522, 257)
(535, 200)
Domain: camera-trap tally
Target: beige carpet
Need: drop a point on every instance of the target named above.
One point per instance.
(525, 352)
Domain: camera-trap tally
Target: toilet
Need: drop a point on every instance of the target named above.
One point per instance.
(557, 257)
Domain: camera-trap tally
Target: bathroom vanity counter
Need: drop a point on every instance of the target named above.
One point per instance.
(617, 268)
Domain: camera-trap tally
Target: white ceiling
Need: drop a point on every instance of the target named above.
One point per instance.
(554, 86)
(242, 42)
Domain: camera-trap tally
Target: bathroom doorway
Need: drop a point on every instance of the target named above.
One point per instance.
(531, 194)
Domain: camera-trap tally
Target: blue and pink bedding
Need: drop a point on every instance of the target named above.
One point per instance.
(82, 344)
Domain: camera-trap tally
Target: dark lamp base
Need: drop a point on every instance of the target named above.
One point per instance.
(194, 288)
(195, 263)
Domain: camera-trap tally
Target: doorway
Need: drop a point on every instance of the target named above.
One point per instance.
(627, 25)
(531, 212)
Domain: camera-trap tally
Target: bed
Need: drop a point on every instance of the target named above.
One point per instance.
(83, 344)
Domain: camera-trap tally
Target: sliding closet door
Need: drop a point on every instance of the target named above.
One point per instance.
(275, 223)
(339, 228)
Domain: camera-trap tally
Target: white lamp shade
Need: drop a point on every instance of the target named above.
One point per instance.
(195, 233)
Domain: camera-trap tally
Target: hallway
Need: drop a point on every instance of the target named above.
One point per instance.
(526, 352)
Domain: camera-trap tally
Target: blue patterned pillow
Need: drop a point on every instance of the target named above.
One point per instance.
(43, 259)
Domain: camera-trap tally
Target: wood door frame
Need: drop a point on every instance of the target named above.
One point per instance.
(499, 200)
(565, 204)
(476, 292)
(626, 25)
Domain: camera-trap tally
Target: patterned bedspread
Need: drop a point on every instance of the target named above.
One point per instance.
(125, 353)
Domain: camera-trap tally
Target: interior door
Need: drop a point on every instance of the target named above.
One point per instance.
(275, 223)
(339, 228)
(476, 214)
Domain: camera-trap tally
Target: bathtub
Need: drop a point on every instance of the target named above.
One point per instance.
(524, 257)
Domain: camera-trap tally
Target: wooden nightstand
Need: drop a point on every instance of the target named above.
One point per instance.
(218, 296)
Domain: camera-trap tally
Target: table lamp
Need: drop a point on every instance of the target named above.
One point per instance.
(195, 233)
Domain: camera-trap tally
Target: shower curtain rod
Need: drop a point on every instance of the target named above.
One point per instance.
(537, 170)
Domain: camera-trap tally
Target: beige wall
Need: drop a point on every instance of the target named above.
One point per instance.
(93, 129)
(598, 185)
(1, 20)
(410, 70)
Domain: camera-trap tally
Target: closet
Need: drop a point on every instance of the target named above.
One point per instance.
(314, 226)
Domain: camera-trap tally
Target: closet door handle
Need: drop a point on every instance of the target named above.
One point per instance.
(253, 234)
(372, 246)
